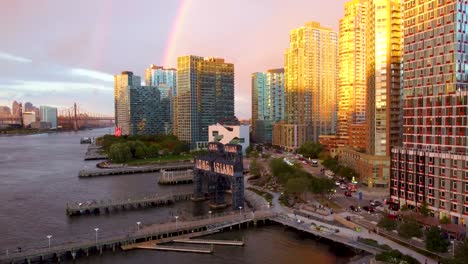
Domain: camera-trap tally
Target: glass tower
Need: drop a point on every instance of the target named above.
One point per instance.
(204, 96)
(267, 103)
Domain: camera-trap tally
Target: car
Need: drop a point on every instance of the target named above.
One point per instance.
(375, 203)
(369, 208)
(348, 193)
(337, 183)
(354, 208)
(343, 186)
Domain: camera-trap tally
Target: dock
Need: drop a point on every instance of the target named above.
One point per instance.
(95, 207)
(94, 153)
(165, 232)
(179, 249)
(175, 177)
(132, 170)
(211, 242)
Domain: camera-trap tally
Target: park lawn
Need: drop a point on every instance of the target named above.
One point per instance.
(161, 159)
(324, 201)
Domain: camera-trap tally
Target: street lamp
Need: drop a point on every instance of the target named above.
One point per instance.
(49, 237)
(453, 247)
(209, 212)
(96, 229)
(138, 224)
(176, 217)
(240, 211)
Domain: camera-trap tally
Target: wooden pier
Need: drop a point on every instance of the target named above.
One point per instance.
(175, 177)
(166, 232)
(133, 170)
(211, 242)
(179, 249)
(94, 153)
(94, 207)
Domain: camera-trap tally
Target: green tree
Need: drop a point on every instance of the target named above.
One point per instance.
(331, 164)
(409, 230)
(387, 223)
(310, 149)
(435, 241)
(321, 185)
(461, 253)
(255, 168)
(141, 151)
(424, 210)
(297, 185)
(445, 220)
(120, 153)
(347, 172)
(153, 151)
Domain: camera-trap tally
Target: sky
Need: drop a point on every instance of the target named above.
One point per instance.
(56, 52)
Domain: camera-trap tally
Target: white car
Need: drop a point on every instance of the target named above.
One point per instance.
(337, 183)
(343, 186)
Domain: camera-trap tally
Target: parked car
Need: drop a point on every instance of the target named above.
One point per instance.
(354, 208)
(348, 193)
(343, 186)
(369, 208)
(375, 203)
(337, 183)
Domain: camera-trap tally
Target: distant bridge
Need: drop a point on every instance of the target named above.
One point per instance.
(73, 118)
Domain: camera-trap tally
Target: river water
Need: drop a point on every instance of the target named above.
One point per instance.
(39, 175)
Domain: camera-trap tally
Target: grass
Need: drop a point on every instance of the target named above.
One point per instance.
(324, 201)
(374, 243)
(161, 159)
(264, 194)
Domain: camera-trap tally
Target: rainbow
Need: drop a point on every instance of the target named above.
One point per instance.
(175, 32)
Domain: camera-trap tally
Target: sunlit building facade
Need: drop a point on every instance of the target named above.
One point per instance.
(122, 99)
(49, 114)
(204, 96)
(432, 165)
(267, 103)
(351, 92)
(311, 75)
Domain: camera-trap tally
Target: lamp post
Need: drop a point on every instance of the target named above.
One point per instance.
(138, 225)
(209, 212)
(453, 247)
(240, 211)
(176, 217)
(49, 237)
(96, 229)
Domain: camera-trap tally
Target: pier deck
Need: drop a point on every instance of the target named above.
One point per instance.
(153, 200)
(211, 242)
(175, 177)
(132, 170)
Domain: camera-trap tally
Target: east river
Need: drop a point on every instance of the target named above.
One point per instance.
(38, 176)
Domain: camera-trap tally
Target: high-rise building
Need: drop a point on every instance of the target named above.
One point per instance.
(122, 83)
(351, 93)
(369, 142)
(28, 118)
(5, 111)
(49, 114)
(384, 75)
(310, 86)
(267, 103)
(432, 164)
(145, 110)
(204, 96)
(165, 81)
(16, 109)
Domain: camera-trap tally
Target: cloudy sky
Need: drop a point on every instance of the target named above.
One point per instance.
(57, 52)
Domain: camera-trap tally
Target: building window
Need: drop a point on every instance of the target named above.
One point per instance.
(442, 204)
(454, 206)
(454, 186)
(442, 183)
(430, 181)
(431, 191)
(442, 195)
(466, 186)
(431, 159)
(241, 140)
(215, 133)
(420, 197)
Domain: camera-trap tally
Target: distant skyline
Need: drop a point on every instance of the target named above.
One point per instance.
(58, 52)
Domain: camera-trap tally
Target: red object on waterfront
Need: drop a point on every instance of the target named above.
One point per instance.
(117, 132)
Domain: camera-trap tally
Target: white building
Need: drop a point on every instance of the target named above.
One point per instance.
(49, 114)
(230, 134)
(28, 118)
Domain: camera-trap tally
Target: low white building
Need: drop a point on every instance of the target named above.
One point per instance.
(230, 134)
(28, 118)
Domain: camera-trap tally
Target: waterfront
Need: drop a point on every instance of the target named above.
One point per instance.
(39, 175)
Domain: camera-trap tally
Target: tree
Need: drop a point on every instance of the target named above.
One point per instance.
(120, 153)
(424, 210)
(331, 164)
(435, 241)
(248, 150)
(153, 151)
(445, 220)
(321, 185)
(310, 149)
(387, 223)
(347, 172)
(297, 185)
(409, 230)
(461, 253)
(255, 168)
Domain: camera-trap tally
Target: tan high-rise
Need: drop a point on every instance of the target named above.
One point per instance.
(310, 86)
